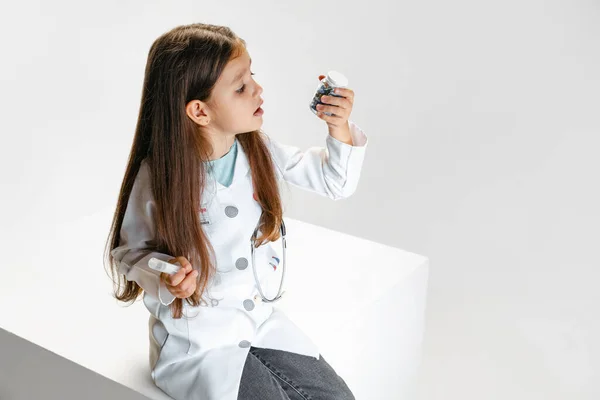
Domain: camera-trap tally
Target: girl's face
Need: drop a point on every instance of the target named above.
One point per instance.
(230, 109)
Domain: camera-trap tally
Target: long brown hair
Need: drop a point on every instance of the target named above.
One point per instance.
(184, 64)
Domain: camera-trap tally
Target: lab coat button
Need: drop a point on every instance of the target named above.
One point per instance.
(244, 343)
(248, 304)
(231, 211)
(241, 263)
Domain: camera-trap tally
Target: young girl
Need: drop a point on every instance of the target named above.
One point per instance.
(201, 177)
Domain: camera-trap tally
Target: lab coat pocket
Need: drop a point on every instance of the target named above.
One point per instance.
(158, 339)
(272, 258)
(179, 340)
(160, 335)
(210, 220)
(268, 262)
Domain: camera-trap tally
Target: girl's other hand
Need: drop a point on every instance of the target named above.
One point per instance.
(183, 283)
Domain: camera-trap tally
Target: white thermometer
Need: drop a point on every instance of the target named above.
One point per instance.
(163, 266)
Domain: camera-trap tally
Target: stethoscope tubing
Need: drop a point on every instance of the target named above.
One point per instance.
(258, 285)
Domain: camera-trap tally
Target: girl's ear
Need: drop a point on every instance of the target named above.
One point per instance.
(195, 113)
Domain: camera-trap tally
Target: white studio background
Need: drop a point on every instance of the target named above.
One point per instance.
(484, 154)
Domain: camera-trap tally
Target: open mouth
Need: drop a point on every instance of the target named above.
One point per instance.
(259, 111)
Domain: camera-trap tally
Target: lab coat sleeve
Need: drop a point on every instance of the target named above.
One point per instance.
(137, 240)
(332, 171)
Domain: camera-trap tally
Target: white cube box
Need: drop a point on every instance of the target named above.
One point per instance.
(361, 302)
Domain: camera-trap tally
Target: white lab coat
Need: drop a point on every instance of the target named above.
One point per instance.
(202, 355)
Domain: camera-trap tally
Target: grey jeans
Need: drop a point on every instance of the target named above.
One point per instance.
(281, 375)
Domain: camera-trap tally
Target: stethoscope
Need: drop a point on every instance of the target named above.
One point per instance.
(252, 247)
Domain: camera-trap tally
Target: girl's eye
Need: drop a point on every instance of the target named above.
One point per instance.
(241, 90)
